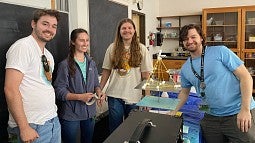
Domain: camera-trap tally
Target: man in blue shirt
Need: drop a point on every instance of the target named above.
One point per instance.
(225, 87)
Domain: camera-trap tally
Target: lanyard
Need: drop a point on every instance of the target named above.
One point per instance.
(201, 76)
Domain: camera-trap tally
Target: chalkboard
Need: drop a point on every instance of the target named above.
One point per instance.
(15, 23)
(104, 16)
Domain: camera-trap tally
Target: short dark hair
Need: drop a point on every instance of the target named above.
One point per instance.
(184, 32)
(42, 12)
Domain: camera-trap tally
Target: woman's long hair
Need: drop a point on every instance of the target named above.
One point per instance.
(73, 37)
(119, 49)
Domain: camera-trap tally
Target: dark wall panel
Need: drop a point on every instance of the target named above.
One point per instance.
(103, 19)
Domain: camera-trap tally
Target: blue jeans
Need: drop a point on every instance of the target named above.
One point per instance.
(70, 130)
(49, 132)
(118, 111)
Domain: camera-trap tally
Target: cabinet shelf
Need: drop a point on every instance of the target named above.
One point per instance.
(177, 16)
(249, 58)
(170, 27)
(174, 38)
(221, 41)
(176, 27)
(178, 21)
(163, 17)
(231, 25)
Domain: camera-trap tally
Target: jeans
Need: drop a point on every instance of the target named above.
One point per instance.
(70, 130)
(118, 111)
(49, 132)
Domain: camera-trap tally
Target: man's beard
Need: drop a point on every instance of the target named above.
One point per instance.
(194, 48)
(41, 38)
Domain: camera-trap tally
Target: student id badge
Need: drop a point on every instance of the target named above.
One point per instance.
(204, 105)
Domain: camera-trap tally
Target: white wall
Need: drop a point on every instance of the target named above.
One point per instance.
(78, 14)
(184, 7)
(30, 3)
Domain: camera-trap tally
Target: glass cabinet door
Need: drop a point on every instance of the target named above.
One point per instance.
(222, 29)
(222, 26)
(249, 30)
(248, 39)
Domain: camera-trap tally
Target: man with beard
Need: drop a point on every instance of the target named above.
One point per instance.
(28, 90)
(225, 86)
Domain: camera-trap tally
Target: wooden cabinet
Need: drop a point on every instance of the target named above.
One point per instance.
(170, 64)
(222, 26)
(248, 40)
(170, 27)
(233, 27)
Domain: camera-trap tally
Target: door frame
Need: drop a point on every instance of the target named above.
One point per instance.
(140, 26)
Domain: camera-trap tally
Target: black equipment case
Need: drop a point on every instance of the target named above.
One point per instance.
(147, 127)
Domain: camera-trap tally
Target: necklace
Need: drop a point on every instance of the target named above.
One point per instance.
(201, 76)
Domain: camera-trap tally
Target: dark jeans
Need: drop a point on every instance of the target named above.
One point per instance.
(70, 130)
(224, 129)
(118, 111)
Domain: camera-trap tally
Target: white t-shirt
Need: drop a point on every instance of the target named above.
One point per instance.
(123, 86)
(38, 94)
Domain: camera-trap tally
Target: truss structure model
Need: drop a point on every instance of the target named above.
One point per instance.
(156, 81)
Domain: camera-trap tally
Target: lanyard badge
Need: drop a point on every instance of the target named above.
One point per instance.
(201, 76)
